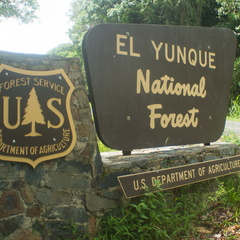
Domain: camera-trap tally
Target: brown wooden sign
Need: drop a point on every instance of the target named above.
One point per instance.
(155, 85)
(134, 185)
(36, 122)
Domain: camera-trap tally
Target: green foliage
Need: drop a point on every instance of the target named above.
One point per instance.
(235, 89)
(231, 196)
(21, 10)
(219, 13)
(168, 215)
(187, 12)
(65, 50)
(210, 16)
(104, 148)
(86, 14)
(75, 232)
(156, 216)
(73, 228)
(230, 10)
(234, 112)
(171, 215)
(229, 17)
(231, 137)
(227, 196)
(234, 106)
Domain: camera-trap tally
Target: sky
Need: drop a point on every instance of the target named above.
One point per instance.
(44, 34)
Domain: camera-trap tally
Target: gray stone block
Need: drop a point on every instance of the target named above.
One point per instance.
(113, 194)
(7, 172)
(53, 197)
(8, 226)
(111, 180)
(210, 157)
(95, 203)
(61, 180)
(66, 213)
(74, 167)
(32, 176)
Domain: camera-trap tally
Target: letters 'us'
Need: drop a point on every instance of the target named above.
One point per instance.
(35, 121)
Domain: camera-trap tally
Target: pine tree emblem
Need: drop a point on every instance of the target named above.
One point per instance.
(33, 114)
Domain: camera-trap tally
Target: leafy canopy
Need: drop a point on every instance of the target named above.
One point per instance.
(23, 10)
(87, 13)
(208, 13)
(64, 50)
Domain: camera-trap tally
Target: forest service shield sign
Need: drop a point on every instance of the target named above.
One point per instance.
(35, 117)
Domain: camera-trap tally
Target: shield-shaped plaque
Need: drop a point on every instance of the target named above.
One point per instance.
(35, 121)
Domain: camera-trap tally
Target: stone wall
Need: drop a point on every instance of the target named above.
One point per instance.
(37, 204)
(44, 199)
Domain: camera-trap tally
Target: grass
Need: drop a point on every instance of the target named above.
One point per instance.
(212, 205)
(175, 215)
(104, 148)
(229, 136)
(234, 112)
